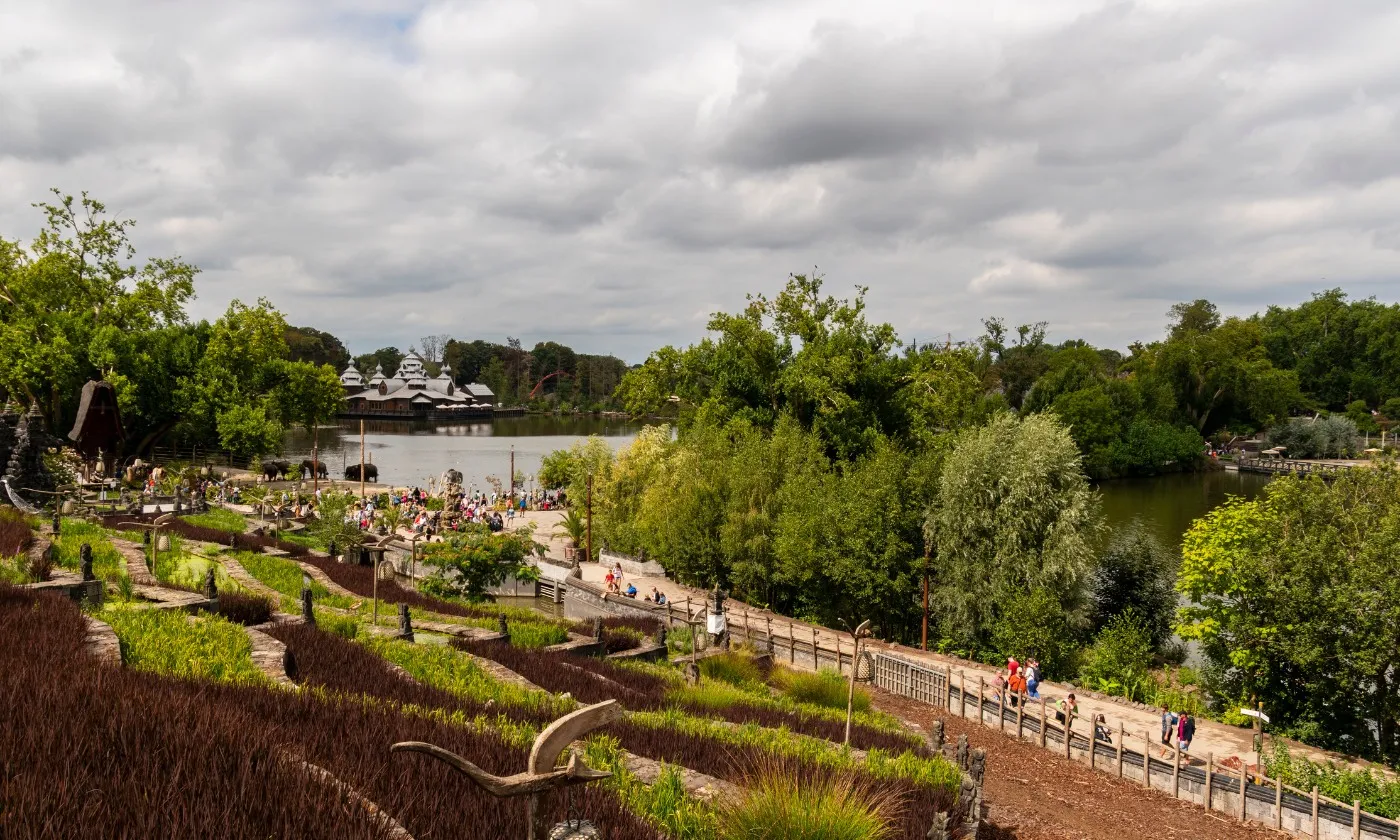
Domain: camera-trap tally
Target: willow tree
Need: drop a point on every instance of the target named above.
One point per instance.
(1015, 517)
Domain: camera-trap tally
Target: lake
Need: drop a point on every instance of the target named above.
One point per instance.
(408, 454)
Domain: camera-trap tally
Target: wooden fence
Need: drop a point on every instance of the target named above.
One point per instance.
(1284, 465)
(1127, 755)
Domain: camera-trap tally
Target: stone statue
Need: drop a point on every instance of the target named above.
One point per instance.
(289, 665)
(939, 830)
(211, 586)
(661, 635)
(85, 556)
(503, 626)
(26, 470)
(962, 752)
(936, 737)
(405, 623)
(598, 627)
(307, 613)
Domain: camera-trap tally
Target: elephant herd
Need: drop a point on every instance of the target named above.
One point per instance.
(273, 470)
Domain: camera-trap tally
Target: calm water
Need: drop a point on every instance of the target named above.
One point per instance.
(1168, 504)
(408, 454)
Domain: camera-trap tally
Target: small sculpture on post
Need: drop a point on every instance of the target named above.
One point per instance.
(307, 613)
(405, 624)
(598, 627)
(661, 635)
(57, 522)
(541, 775)
(962, 752)
(211, 585)
(85, 559)
(503, 626)
(936, 737)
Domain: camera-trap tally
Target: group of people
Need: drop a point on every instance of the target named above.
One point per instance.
(613, 580)
(1178, 727)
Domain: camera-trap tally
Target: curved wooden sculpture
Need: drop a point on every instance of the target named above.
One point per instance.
(542, 775)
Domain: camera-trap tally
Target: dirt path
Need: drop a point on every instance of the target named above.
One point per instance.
(1036, 795)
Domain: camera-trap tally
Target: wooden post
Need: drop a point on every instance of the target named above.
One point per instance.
(1278, 804)
(962, 693)
(1020, 716)
(1210, 770)
(1146, 760)
(1314, 812)
(1120, 749)
(1001, 709)
(838, 653)
(816, 663)
(768, 632)
(1043, 725)
(589, 522)
(792, 646)
(1093, 745)
(1176, 769)
(1356, 819)
(981, 690)
(1068, 732)
(1244, 791)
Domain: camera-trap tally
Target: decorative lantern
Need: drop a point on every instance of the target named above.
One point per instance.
(865, 667)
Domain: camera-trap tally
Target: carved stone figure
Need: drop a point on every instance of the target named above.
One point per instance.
(85, 558)
(26, 470)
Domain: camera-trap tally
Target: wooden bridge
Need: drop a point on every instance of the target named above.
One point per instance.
(1264, 464)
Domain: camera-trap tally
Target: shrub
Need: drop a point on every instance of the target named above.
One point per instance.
(731, 667)
(826, 688)
(15, 533)
(243, 608)
(782, 803)
(1378, 794)
(1034, 624)
(1136, 572)
(1119, 661)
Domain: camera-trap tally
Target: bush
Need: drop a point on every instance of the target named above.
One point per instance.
(1326, 437)
(827, 688)
(1033, 624)
(1136, 572)
(731, 667)
(1378, 794)
(781, 803)
(245, 609)
(1119, 661)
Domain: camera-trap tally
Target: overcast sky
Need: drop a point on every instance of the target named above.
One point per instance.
(607, 174)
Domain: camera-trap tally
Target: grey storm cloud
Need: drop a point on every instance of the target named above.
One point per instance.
(608, 173)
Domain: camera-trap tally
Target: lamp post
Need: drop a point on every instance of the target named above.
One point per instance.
(860, 633)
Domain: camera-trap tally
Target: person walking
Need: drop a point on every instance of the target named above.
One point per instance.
(1185, 731)
(1168, 730)
(1033, 679)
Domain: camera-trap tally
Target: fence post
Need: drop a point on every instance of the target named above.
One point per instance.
(1146, 760)
(748, 638)
(962, 693)
(1176, 769)
(981, 692)
(1356, 819)
(1001, 709)
(1120, 749)
(1093, 744)
(1042, 723)
(1068, 731)
(838, 653)
(1244, 791)
(1278, 804)
(1020, 715)
(1314, 812)
(816, 663)
(792, 646)
(1210, 768)
(948, 685)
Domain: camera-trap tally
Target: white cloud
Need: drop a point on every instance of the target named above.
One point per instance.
(608, 172)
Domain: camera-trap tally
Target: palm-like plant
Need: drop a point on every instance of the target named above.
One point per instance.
(573, 526)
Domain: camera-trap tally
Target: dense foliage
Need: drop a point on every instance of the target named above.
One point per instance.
(1295, 600)
(466, 565)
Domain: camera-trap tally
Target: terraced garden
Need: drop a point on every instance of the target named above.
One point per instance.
(201, 704)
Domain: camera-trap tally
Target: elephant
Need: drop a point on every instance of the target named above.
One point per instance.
(273, 470)
(307, 466)
(352, 472)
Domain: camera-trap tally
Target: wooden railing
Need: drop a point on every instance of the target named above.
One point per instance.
(1285, 465)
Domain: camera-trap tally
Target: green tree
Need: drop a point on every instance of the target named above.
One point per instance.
(232, 387)
(308, 395)
(1295, 598)
(1033, 624)
(307, 344)
(385, 358)
(1015, 513)
(467, 565)
(75, 303)
(1137, 574)
(1120, 658)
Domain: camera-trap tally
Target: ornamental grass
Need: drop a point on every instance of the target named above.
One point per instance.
(244, 608)
(780, 802)
(15, 533)
(96, 751)
(826, 688)
(180, 645)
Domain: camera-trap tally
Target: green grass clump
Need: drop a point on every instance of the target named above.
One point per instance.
(221, 519)
(285, 577)
(779, 804)
(713, 695)
(107, 562)
(666, 803)
(825, 688)
(451, 670)
(185, 569)
(535, 635)
(173, 643)
(732, 667)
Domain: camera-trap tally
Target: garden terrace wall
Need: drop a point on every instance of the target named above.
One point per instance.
(199, 533)
(228, 757)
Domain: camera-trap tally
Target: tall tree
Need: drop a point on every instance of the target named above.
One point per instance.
(1015, 514)
(1295, 599)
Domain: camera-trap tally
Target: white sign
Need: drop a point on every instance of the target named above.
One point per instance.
(715, 624)
(1254, 713)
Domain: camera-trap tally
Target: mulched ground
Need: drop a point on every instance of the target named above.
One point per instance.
(1035, 795)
